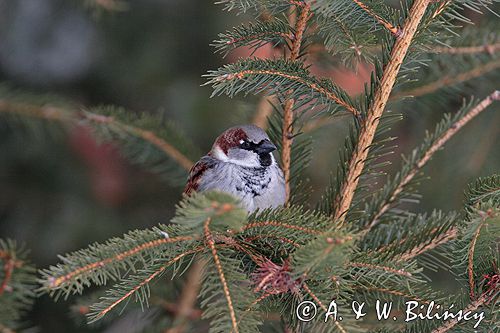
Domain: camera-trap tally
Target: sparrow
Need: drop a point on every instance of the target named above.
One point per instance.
(241, 163)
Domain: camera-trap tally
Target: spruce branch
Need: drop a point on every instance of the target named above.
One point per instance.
(211, 245)
(448, 81)
(472, 248)
(123, 291)
(74, 117)
(277, 75)
(473, 306)
(439, 139)
(443, 238)
(94, 265)
(323, 307)
(287, 129)
(396, 31)
(377, 106)
(17, 284)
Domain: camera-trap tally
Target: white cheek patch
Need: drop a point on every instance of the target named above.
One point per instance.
(219, 154)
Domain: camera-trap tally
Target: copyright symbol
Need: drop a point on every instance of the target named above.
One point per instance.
(306, 311)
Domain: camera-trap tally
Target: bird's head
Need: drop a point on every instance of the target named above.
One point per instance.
(246, 145)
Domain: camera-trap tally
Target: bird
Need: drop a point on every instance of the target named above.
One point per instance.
(241, 163)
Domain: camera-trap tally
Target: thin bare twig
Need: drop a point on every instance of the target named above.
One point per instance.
(448, 81)
(344, 199)
(494, 96)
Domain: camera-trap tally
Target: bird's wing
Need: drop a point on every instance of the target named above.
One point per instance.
(196, 172)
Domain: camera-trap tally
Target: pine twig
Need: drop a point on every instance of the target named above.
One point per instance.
(211, 244)
(391, 28)
(370, 124)
(55, 282)
(470, 253)
(282, 225)
(323, 307)
(63, 116)
(401, 272)
(494, 96)
(448, 81)
(449, 235)
(144, 282)
(287, 130)
(471, 308)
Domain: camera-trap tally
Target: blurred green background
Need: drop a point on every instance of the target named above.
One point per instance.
(59, 194)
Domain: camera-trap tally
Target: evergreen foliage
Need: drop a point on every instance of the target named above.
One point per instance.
(360, 242)
(17, 286)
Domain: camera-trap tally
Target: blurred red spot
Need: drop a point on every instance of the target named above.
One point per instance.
(107, 171)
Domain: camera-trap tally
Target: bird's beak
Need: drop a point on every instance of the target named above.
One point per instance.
(265, 147)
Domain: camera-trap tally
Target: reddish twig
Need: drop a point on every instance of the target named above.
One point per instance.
(56, 282)
(448, 81)
(394, 30)
(357, 162)
(287, 130)
(211, 244)
(494, 96)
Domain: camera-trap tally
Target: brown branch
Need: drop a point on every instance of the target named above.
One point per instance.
(146, 135)
(471, 308)
(55, 282)
(392, 292)
(383, 268)
(486, 48)
(187, 299)
(369, 126)
(313, 86)
(287, 130)
(494, 96)
(211, 244)
(282, 225)
(146, 281)
(470, 253)
(282, 239)
(449, 235)
(448, 81)
(63, 116)
(392, 29)
(317, 300)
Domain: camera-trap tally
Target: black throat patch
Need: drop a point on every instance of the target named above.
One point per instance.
(265, 159)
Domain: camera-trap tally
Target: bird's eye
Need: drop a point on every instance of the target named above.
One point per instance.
(244, 144)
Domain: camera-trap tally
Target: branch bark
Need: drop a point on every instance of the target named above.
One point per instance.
(287, 130)
(370, 124)
(494, 96)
